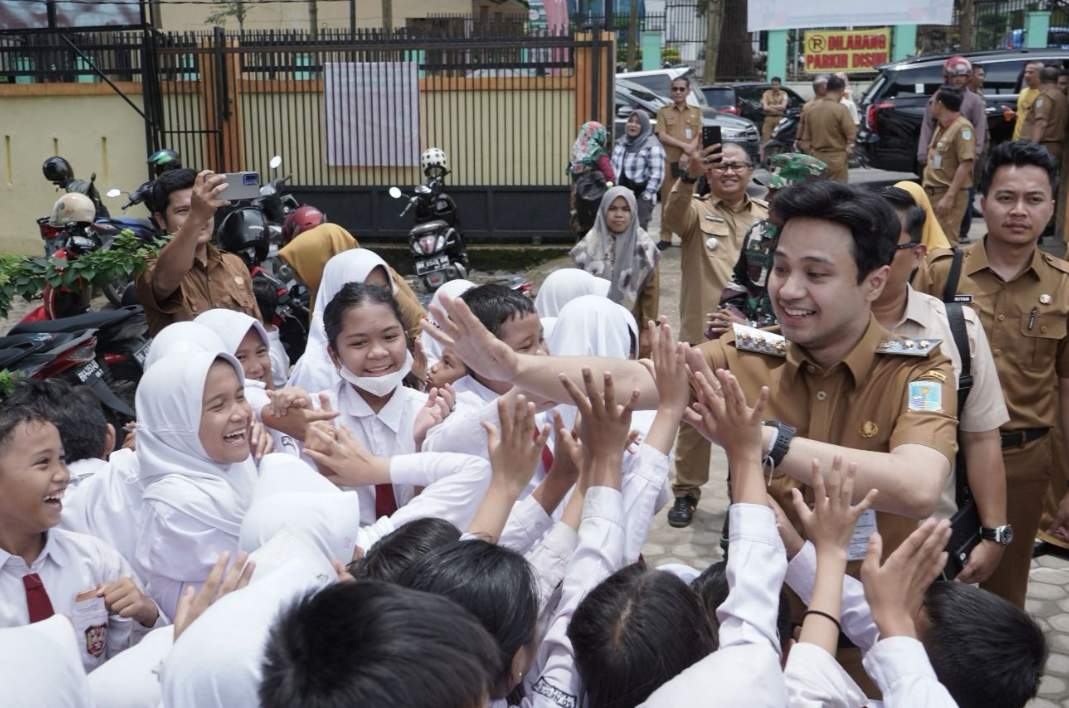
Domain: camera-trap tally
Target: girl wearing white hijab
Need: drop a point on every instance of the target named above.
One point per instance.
(617, 248)
(193, 453)
(315, 371)
(247, 340)
(454, 289)
(564, 285)
(181, 338)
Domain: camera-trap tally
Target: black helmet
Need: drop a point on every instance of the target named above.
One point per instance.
(57, 170)
(163, 160)
(244, 233)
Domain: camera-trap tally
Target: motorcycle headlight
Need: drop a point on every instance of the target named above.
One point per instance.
(428, 244)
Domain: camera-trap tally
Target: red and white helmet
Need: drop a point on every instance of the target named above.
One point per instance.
(957, 65)
(300, 220)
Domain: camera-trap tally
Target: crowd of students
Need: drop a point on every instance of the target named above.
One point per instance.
(363, 537)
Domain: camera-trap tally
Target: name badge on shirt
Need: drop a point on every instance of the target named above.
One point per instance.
(937, 161)
(689, 132)
(963, 299)
(859, 542)
(90, 620)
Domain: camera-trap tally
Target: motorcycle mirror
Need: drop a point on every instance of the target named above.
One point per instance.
(113, 193)
(275, 162)
(395, 192)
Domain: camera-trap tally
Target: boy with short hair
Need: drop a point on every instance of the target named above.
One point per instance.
(45, 570)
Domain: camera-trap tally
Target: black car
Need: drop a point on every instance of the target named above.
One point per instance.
(893, 106)
(748, 100)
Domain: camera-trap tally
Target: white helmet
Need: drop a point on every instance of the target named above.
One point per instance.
(433, 157)
(72, 208)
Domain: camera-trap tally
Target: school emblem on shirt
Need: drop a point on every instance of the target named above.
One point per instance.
(547, 690)
(966, 134)
(96, 640)
(926, 396)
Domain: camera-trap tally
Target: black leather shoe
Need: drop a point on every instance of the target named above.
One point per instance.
(682, 512)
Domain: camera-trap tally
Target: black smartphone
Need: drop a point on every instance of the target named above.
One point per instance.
(711, 135)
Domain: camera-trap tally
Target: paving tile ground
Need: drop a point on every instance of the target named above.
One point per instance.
(699, 544)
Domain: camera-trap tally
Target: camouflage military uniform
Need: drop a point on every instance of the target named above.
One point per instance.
(749, 290)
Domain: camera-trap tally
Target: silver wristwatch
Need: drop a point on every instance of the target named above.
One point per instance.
(1002, 535)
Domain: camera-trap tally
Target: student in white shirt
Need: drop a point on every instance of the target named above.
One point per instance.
(564, 285)
(315, 370)
(396, 551)
(46, 571)
(978, 647)
(367, 345)
(267, 300)
(371, 643)
(247, 341)
(193, 450)
(40, 665)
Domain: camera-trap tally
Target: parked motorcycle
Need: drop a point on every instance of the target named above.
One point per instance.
(437, 246)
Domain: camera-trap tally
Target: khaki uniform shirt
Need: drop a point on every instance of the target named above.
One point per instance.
(712, 235)
(950, 146)
(869, 401)
(1025, 320)
(682, 124)
(1052, 105)
(828, 127)
(222, 280)
(1024, 105)
(774, 102)
(985, 409)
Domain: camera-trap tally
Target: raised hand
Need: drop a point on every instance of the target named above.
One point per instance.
(475, 345)
(205, 198)
(125, 599)
(220, 582)
(723, 416)
(342, 458)
(895, 589)
(830, 523)
(260, 441)
(516, 447)
(282, 400)
(604, 426)
(439, 405)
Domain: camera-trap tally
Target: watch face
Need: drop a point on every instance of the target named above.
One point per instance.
(1005, 535)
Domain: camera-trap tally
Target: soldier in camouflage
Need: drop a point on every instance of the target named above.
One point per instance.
(746, 299)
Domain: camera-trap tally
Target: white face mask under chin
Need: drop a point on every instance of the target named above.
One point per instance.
(378, 385)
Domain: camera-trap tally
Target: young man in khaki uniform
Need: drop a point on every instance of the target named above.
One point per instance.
(679, 128)
(711, 228)
(1022, 296)
(917, 315)
(1046, 119)
(828, 132)
(774, 104)
(951, 154)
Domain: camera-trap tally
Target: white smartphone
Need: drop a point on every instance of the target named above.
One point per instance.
(241, 185)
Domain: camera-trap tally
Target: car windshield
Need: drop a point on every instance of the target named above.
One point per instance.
(719, 96)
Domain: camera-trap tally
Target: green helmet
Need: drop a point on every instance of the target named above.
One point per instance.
(793, 168)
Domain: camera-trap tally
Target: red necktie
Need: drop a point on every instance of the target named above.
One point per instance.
(385, 502)
(547, 456)
(37, 598)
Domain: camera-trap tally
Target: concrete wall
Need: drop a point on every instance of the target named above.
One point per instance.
(93, 128)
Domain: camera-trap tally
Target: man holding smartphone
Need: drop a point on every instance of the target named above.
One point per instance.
(679, 130)
(190, 275)
(712, 228)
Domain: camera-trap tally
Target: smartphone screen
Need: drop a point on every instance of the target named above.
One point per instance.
(711, 135)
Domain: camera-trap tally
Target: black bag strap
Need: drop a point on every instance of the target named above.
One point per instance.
(950, 290)
(956, 318)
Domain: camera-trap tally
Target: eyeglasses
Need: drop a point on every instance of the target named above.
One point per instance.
(732, 167)
(905, 246)
(679, 89)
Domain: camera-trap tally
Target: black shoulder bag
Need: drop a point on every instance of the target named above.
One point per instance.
(965, 524)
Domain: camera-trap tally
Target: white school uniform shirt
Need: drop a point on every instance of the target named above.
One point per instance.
(103, 499)
(745, 670)
(899, 665)
(40, 666)
(70, 564)
(386, 433)
(280, 360)
(131, 679)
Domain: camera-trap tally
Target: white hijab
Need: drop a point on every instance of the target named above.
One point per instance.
(564, 285)
(315, 371)
(216, 663)
(231, 327)
(454, 289)
(41, 665)
(182, 338)
(174, 467)
(290, 494)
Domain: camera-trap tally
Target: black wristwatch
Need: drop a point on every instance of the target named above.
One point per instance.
(782, 443)
(1002, 535)
(688, 179)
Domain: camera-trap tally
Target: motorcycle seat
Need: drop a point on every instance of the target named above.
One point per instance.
(13, 352)
(428, 228)
(77, 323)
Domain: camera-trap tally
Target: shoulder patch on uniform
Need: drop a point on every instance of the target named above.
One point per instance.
(966, 134)
(926, 396)
(751, 339)
(1056, 263)
(908, 347)
(547, 690)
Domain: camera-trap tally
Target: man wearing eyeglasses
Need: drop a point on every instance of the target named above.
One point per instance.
(679, 128)
(711, 228)
(828, 131)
